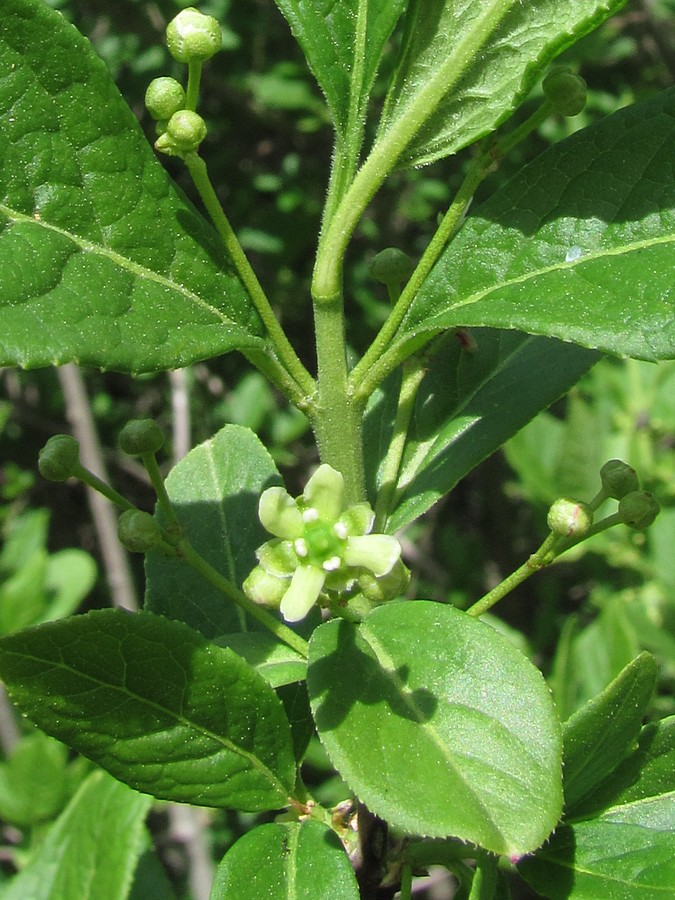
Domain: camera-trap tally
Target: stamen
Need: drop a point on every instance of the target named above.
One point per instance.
(301, 547)
(332, 564)
(310, 514)
(340, 530)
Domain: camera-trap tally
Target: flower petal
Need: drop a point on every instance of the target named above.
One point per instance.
(324, 492)
(358, 519)
(279, 513)
(303, 592)
(265, 589)
(376, 552)
(278, 557)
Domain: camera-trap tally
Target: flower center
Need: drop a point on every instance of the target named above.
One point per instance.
(324, 546)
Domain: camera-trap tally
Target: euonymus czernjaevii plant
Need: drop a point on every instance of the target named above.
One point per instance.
(438, 725)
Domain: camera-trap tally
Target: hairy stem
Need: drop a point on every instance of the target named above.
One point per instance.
(285, 352)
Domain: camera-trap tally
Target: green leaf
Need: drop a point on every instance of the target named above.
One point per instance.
(579, 245)
(439, 725)
(465, 411)
(34, 784)
(91, 851)
(648, 772)
(465, 66)
(215, 491)
(286, 861)
(343, 43)
(102, 260)
(627, 852)
(157, 705)
(600, 734)
(278, 663)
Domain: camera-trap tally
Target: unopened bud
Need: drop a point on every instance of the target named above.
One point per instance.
(164, 97)
(618, 479)
(193, 37)
(566, 91)
(185, 131)
(59, 459)
(391, 266)
(570, 518)
(138, 531)
(141, 436)
(638, 509)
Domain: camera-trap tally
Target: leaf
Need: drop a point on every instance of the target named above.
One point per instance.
(648, 772)
(91, 851)
(439, 725)
(579, 245)
(102, 260)
(465, 66)
(600, 734)
(626, 853)
(286, 861)
(278, 663)
(343, 43)
(155, 704)
(215, 491)
(33, 781)
(465, 411)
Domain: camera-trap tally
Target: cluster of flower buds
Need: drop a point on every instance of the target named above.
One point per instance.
(322, 550)
(573, 519)
(59, 460)
(192, 38)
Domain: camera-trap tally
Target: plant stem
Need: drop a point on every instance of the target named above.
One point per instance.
(194, 79)
(150, 462)
(337, 418)
(553, 547)
(188, 554)
(287, 355)
(413, 374)
(367, 374)
(377, 363)
(391, 145)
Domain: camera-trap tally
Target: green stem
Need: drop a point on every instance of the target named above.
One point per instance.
(337, 418)
(269, 366)
(367, 371)
(391, 145)
(381, 358)
(194, 79)
(553, 547)
(189, 555)
(93, 481)
(285, 352)
(413, 374)
(150, 462)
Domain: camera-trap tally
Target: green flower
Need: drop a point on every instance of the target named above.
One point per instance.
(319, 546)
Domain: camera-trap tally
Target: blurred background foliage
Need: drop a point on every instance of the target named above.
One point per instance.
(268, 149)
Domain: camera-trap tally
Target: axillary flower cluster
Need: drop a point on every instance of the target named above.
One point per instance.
(321, 550)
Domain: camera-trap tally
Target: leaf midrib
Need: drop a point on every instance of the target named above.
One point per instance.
(255, 762)
(477, 296)
(121, 261)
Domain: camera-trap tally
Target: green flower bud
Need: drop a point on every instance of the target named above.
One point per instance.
(618, 479)
(569, 518)
(265, 589)
(164, 97)
(141, 436)
(193, 37)
(59, 459)
(138, 531)
(185, 131)
(566, 91)
(391, 266)
(386, 587)
(638, 509)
